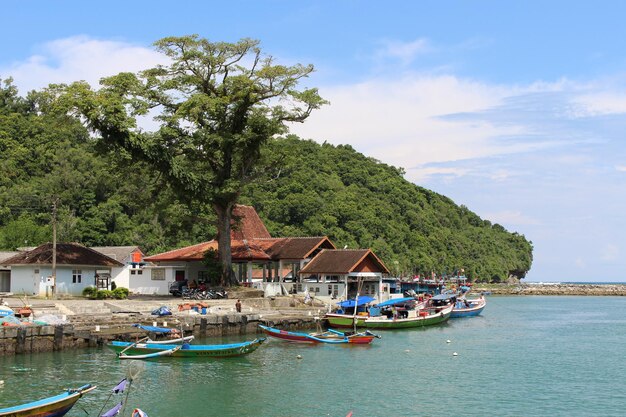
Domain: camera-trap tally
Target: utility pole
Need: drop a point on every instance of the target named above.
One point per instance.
(54, 247)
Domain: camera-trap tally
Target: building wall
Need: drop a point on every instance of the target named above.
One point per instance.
(32, 279)
(145, 284)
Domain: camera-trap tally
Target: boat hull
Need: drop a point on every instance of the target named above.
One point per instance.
(472, 311)
(384, 323)
(326, 337)
(48, 407)
(188, 351)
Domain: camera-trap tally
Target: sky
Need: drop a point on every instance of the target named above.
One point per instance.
(516, 110)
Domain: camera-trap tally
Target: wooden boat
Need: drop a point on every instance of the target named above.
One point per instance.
(398, 314)
(149, 350)
(465, 307)
(55, 406)
(331, 336)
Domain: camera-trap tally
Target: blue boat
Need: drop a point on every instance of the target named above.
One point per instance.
(55, 406)
(468, 307)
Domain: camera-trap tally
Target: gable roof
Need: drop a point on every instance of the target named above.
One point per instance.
(119, 253)
(344, 261)
(294, 247)
(247, 224)
(241, 250)
(6, 255)
(67, 254)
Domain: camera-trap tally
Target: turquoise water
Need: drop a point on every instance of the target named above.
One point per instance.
(525, 356)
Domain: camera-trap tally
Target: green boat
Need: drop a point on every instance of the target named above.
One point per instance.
(408, 315)
(129, 350)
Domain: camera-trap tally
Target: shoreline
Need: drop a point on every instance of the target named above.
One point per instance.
(552, 289)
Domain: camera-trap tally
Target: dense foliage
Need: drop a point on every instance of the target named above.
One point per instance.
(217, 104)
(109, 199)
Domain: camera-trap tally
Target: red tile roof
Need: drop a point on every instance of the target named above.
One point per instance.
(67, 254)
(247, 224)
(344, 261)
(294, 247)
(241, 250)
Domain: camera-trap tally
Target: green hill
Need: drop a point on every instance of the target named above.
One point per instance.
(360, 202)
(312, 189)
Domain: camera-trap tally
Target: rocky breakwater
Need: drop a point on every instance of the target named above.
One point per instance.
(573, 289)
(555, 289)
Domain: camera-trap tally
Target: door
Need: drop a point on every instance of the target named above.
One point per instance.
(179, 275)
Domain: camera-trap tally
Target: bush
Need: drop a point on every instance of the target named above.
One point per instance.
(89, 292)
(104, 294)
(113, 286)
(120, 293)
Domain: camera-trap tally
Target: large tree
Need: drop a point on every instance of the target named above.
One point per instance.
(217, 104)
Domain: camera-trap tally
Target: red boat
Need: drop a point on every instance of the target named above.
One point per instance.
(331, 336)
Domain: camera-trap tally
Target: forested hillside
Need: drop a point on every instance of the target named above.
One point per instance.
(311, 189)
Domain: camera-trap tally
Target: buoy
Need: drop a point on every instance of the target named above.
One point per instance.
(299, 357)
(407, 351)
(455, 354)
(448, 341)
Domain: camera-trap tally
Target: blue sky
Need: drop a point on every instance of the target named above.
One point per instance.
(516, 110)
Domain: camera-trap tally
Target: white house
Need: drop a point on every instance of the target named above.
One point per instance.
(139, 276)
(77, 267)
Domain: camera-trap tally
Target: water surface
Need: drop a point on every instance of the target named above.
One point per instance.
(525, 356)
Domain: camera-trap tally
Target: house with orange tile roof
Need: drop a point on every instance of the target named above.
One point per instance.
(274, 264)
(344, 272)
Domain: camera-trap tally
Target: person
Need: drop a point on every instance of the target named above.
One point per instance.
(238, 306)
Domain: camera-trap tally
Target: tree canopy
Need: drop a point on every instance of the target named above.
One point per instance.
(217, 105)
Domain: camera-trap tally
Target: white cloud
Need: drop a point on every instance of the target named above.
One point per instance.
(79, 58)
(600, 103)
(404, 51)
(621, 168)
(405, 121)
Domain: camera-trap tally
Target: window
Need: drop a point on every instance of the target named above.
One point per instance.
(132, 272)
(158, 274)
(77, 276)
(203, 276)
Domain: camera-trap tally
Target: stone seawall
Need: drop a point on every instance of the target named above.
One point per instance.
(97, 331)
(554, 289)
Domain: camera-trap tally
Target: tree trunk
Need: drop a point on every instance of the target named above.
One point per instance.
(224, 215)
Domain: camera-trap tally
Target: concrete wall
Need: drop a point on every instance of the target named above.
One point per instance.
(32, 279)
(144, 284)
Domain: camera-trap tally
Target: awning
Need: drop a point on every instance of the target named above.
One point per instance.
(350, 303)
(395, 301)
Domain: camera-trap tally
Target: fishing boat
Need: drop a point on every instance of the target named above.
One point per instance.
(398, 313)
(149, 350)
(6, 311)
(55, 406)
(468, 307)
(330, 336)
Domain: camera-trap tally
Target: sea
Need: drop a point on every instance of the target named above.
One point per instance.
(524, 356)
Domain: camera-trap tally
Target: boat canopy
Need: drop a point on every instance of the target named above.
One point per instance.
(395, 301)
(442, 297)
(350, 303)
(153, 328)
